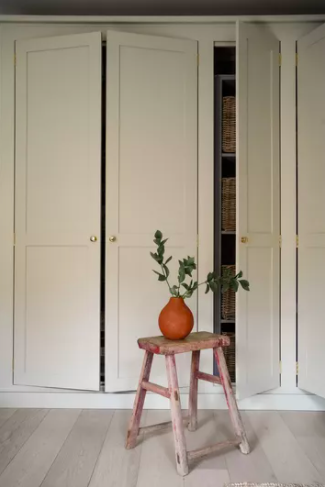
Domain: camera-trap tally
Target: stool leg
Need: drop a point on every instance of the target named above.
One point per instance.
(176, 412)
(231, 400)
(134, 425)
(192, 407)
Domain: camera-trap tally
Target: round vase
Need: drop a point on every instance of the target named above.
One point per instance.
(176, 319)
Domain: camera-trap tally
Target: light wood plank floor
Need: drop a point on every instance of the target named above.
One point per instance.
(73, 448)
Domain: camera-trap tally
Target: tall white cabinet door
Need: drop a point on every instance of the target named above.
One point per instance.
(151, 155)
(58, 165)
(311, 204)
(258, 218)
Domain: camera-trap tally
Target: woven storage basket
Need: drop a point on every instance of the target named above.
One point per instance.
(229, 204)
(228, 299)
(229, 124)
(230, 355)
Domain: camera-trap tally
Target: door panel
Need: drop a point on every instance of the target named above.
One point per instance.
(258, 213)
(311, 203)
(58, 160)
(151, 184)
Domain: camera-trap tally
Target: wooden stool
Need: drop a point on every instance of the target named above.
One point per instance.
(194, 343)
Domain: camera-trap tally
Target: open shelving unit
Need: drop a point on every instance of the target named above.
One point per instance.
(225, 167)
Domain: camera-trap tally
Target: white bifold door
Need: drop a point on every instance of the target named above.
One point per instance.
(151, 154)
(258, 210)
(311, 206)
(57, 208)
(151, 168)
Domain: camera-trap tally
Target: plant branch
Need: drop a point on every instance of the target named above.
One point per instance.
(165, 274)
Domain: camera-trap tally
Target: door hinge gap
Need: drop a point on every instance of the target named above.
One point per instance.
(297, 368)
(197, 240)
(297, 241)
(280, 241)
(280, 366)
(280, 59)
(296, 59)
(15, 59)
(198, 59)
(14, 239)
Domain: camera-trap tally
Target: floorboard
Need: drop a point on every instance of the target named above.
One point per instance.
(34, 459)
(287, 458)
(116, 466)
(16, 431)
(5, 414)
(309, 430)
(75, 463)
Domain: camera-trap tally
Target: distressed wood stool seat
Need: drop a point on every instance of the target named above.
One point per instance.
(194, 343)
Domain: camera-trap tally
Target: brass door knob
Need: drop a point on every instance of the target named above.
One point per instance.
(93, 238)
(112, 238)
(244, 239)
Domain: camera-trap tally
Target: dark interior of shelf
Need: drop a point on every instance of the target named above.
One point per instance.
(228, 249)
(225, 60)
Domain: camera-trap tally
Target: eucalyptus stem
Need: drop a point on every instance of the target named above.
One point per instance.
(165, 274)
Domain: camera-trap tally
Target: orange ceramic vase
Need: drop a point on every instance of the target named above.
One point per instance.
(176, 319)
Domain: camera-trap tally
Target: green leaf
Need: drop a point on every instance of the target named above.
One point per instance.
(154, 256)
(181, 274)
(158, 235)
(166, 270)
(234, 285)
(168, 260)
(209, 276)
(239, 275)
(207, 289)
(161, 277)
(161, 250)
(188, 294)
(244, 284)
(213, 286)
(195, 286)
(186, 286)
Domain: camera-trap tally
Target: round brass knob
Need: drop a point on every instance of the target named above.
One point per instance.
(93, 238)
(244, 239)
(112, 238)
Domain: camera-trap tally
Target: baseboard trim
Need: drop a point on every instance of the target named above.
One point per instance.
(293, 402)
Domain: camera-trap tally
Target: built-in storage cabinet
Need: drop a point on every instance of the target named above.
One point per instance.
(104, 161)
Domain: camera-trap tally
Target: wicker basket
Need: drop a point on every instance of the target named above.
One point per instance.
(228, 299)
(229, 124)
(230, 355)
(229, 204)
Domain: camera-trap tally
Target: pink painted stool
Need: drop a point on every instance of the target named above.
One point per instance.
(194, 343)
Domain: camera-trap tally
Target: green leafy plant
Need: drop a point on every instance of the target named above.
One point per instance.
(185, 289)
